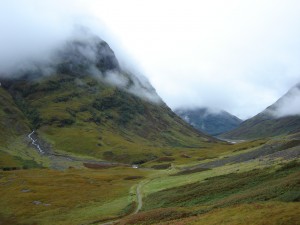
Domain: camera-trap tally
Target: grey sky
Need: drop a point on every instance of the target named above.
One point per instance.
(240, 56)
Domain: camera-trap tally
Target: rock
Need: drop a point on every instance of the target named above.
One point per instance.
(37, 202)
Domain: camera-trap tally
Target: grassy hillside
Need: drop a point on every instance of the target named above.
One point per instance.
(70, 197)
(267, 183)
(232, 193)
(13, 122)
(233, 188)
(80, 119)
(262, 126)
(15, 152)
(86, 117)
(271, 122)
(89, 107)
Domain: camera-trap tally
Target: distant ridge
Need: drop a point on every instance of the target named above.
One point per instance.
(209, 121)
(270, 122)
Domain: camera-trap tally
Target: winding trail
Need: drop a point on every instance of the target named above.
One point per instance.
(139, 198)
(33, 142)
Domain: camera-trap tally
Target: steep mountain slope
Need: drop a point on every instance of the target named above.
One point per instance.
(14, 150)
(12, 121)
(88, 106)
(274, 120)
(208, 121)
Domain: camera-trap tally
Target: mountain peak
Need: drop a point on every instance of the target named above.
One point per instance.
(88, 105)
(287, 105)
(83, 54)
(282, 117)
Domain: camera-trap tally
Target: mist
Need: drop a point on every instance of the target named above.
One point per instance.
(288, 105)
(239, 56)
(37, 36)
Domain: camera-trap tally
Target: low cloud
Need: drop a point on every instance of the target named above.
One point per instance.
(239, 56)
(288, 105)
(43, 38)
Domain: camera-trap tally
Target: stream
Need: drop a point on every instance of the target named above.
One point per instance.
(33, 142)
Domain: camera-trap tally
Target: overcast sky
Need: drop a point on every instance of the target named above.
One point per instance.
(240, 56)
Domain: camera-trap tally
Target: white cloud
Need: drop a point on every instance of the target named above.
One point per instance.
(289, 105)
(240, 56)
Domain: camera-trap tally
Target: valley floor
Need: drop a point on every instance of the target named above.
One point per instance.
(254, 182)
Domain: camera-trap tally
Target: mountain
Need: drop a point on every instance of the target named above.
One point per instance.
(13, 123)
(83, 117)
(81, 102)
(280, 118)
(209, 121)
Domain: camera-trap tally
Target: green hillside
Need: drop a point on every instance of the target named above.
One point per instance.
(14, 126)
(92, 120)
(78, 111)
(13, 123)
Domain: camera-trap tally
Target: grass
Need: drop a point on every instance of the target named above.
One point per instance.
(9, 162)
(94, 121)
(233, 188)
(263, 213)
(232, 198)
(82, 117)
(18, 149)
(263, 125)
(110, 192)
(70, 197)
(269, 213)
(166, 179)
(86, 117)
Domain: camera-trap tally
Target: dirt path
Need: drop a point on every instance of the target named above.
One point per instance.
(139, 198)
(39, 146)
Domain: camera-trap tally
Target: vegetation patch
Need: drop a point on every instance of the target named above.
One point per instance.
(133, 177)
(234, 188)
(290, 144)
(165, 159)
(269, 213)
(99, 165)
(161, 166)
(156, 216)
(73, 196)
(9, 162)
(190, 171)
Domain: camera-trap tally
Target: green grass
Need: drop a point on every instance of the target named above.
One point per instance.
(69, 197)
(86, 117)
(242, 197)
(9, 162)
(268, 213)
(229, 189)
(91, 120)
(263, 125)
(263, 213)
